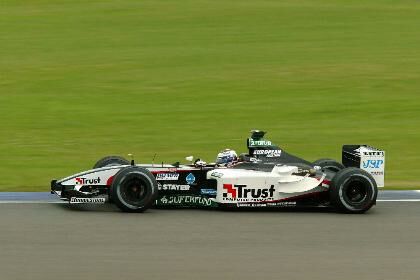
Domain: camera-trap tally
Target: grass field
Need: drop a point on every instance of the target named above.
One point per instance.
(82, 79)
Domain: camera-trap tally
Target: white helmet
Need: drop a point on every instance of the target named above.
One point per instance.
(226, 157)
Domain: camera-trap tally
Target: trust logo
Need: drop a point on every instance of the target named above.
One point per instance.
(229, 190)
(86, 181)
(244, 193)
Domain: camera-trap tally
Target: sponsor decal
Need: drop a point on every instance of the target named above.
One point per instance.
(185, 200)
(371, 163)
(208, 191)
(282, 204)
(173, 187)
(258, 143)
(244, 193)
(86, 181)
(269, 204)
(254, 160)
(369, 153)
(216, 174)
(98, 200)
(268, 153)
(377, 173)
(167, 176)
(375, 153)
(190, 178)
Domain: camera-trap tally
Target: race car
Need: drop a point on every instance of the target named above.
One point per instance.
(264, 177)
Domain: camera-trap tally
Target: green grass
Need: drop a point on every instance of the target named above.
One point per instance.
(84, 79)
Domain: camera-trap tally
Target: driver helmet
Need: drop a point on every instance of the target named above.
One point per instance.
(226, 157)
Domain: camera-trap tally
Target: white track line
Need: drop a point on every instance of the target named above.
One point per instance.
(398, 200)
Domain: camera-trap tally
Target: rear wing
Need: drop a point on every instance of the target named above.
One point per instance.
(367, 158)
(257, 145)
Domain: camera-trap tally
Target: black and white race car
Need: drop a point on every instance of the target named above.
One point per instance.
(266, 176)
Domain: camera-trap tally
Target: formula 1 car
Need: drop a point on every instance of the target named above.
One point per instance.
(266, 176)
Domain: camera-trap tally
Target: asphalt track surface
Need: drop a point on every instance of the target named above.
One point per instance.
(43, 240)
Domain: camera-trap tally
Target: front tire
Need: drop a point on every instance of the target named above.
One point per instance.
(111, 161)
(353, 190)
(134, 189)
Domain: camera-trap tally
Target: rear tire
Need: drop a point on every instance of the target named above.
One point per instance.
(134, 189)
(353, 190)
(329, 164)
(111, 161)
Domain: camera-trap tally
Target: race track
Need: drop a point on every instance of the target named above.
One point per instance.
(55, 241)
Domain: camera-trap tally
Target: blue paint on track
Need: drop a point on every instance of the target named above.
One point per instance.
(390, 195)
(28, 196)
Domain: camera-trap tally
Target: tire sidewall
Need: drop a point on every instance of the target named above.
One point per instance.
(329, 164)
(341, 181)
(121, 178)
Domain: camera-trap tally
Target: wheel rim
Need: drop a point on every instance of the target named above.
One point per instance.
(356, 191)
(134, 190)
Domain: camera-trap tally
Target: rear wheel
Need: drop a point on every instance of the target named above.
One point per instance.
(353, 190)
(329, 164)
(134, 189)
(111, 161)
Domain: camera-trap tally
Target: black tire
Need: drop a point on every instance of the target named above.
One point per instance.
(134, 189)
(329, 164)
(353, 190)
(111, 161)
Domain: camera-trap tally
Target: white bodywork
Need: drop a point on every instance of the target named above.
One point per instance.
(94, 177)
(372, 160)
(251, 186)
(237, 186)
(103, 176)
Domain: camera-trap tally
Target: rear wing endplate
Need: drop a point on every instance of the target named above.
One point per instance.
(367, 158)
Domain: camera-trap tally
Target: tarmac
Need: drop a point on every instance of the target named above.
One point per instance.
(42, 238)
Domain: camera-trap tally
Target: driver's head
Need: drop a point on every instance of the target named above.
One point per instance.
(226, 157)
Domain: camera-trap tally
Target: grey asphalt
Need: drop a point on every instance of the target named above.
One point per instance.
(56, 241)
(51, 198)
